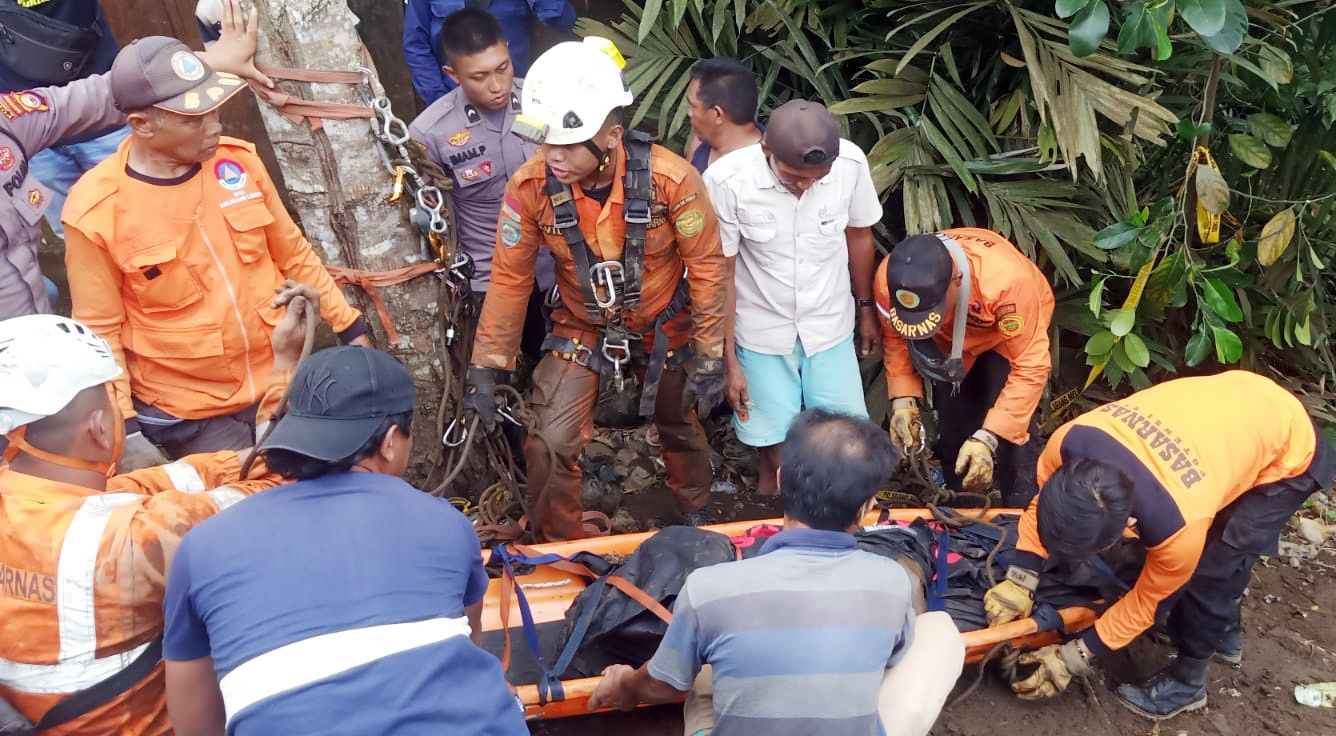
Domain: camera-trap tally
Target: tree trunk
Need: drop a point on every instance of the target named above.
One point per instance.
(339, 185)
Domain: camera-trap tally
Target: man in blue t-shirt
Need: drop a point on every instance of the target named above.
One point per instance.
(347, 603)
(813, 635)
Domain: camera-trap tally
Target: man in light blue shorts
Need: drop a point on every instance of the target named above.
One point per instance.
(795, 218)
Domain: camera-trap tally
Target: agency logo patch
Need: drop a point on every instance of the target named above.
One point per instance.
(7, 159)
(187, 66)
(1011, 325)
(907, 298)
(689, 223)
(230, 174)
(460, 139)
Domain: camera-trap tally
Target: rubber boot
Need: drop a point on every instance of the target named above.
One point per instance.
(1177, 688)
(1230, 648)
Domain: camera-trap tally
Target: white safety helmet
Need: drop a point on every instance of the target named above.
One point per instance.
(45, 361)
(570, 90)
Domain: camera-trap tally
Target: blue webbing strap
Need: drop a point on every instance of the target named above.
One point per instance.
(547, 681)
(935, 599)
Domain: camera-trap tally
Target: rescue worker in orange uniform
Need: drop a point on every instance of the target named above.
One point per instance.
(84, 553)
(1206, 471)
(622, 218)
(174, 247)
(965, 309)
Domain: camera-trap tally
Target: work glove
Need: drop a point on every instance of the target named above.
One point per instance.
(1012, 598)
(138, 453)
(906, 425)
(480, 397)
(707, 385)
(1058, 664)
(974, 464)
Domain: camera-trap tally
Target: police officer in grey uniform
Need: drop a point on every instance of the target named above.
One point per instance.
(34, 119)
(30, 121)
(468, 133)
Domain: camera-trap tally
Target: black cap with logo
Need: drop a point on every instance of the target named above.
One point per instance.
(918, 276)
(338, 399)
(162, 72)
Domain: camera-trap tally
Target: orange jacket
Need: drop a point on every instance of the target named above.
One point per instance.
(1011, 305)
(1191, 446)
(683, 232)
(179, 279)
(82, 574)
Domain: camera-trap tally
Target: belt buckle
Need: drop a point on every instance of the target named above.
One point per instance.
(607, 275)
(581, 354)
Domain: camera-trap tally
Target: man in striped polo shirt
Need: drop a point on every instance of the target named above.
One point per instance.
(813, 635)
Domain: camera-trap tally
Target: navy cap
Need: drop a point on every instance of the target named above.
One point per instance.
(337, 401)
(918, 276)
(803, 134)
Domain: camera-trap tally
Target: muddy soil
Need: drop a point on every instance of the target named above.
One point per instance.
(1290, 638)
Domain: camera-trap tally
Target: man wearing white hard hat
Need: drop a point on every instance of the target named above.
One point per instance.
(623, 218)
(84, 553)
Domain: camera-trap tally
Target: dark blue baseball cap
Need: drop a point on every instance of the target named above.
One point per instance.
(337, 401)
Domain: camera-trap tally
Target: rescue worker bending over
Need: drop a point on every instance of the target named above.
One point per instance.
(84, 553)
(622, 219)
(175, 247)
(965, 309)
(1206, 471)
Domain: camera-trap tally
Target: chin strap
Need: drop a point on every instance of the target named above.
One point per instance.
(18, 442)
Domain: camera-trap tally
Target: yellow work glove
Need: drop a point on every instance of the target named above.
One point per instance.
(1012, 598)
(974, 464)
(906, 425)
(1057, 666)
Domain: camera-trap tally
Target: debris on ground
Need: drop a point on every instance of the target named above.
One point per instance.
(1316, 695)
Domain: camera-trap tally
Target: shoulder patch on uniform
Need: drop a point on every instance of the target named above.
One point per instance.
(1005, 309)
(7, 158)
(510, 207)
(510, 232)
(1011, 325)
(689, 223)
(17, 104)
(683, 202)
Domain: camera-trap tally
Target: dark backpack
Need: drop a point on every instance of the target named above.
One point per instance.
(605, 626)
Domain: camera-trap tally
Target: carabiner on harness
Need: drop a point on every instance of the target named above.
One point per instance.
(608, 278)
(455, 434)
(617, 352)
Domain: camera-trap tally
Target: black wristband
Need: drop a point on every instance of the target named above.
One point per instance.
(865, 303)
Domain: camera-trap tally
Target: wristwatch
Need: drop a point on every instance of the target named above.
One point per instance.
(865, 303)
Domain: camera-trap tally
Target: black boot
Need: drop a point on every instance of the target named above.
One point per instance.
(1179, 687)
(1230, 648)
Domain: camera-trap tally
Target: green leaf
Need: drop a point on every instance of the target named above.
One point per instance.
(889, 88)
(1116, 235)
(1121, 358)
(1276, 64)
(1136, 350)
(1097, 295)
(648, 18)
(1164, 48)
(1250, 151)
(925, 39)
(1230, 36)
(1206, 17)
(1220, 298)
(1198, 347)
(1138, 30)
(1187, 130)
(1304, 332)
(1121, 321)
(1276, 236)
(1068, 8)
(1271, 129)
(1228, 346)
(1100, 343)
(1088, 28)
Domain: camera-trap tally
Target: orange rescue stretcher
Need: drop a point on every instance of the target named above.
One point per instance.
(550, 592)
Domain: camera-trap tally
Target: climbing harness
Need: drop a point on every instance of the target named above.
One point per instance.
(927, 358)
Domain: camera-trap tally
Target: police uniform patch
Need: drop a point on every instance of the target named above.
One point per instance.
(6, 158)
(470, 174)
(35, 197)
(460, 139)
(689, 223)
(510, 233)
(472, 114)
(16, 104)
(230, 174)
(486, 167)
(1011, 325)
